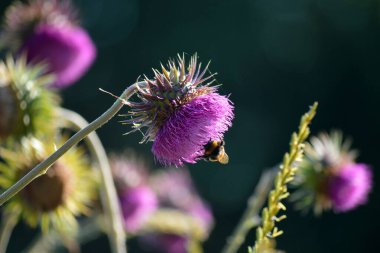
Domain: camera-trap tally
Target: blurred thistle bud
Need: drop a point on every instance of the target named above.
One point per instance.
(182, 113)
(48, 32)
(194, 218)
(137, 199)
(26, 107)
(53, 200)
(185, 197)
(166, 243)
(128, 170)
(329, 177)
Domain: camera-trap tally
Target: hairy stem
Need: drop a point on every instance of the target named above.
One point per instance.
(250, 218)
(108, 194)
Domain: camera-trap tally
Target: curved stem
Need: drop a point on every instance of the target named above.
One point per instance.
(9, 221)
(109, 199)
(42, 167)
(251, 217)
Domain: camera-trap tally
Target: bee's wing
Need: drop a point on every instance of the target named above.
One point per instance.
(224, 159)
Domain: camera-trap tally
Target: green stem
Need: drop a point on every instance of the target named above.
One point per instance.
(250, 218)
(9, 221)
(110, 203)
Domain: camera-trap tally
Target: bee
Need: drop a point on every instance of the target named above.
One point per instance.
(214, 152)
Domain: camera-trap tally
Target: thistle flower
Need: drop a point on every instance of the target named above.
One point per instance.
(181, 111)
(26, 107)
(329, 177)
(185, 197)
(183, 219)
(137, 199)
(53, 200)
(48, 31)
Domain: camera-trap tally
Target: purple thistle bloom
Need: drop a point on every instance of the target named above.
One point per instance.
(182, 112)
(137, 205)
(67, 51)
(350, 187)
(185, 133)
(48, 31)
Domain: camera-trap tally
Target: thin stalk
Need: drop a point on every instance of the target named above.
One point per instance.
(250, 218)
(8, 223)
(110, 203)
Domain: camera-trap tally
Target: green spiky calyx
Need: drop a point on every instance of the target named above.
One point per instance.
(168, 90)
(30, 108)
(21, 19)
(53, 200)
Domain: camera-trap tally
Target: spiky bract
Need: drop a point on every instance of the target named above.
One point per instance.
(53, 200)
(28, 107)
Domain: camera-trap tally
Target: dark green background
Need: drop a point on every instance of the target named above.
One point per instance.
(275, 57)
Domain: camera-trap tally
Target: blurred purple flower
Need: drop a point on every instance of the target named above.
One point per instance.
(202, 212)
(329, 178)
(181, 111)
(49, 32)
(138, 201)
(137, 205)
(128, 170)
(349, 188)
(177, 197)
(166, 243)
(184, 197)
(67, 51)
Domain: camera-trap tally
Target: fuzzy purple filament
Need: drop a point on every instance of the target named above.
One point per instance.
(350, 187)
(190, 127)
(68, 51)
